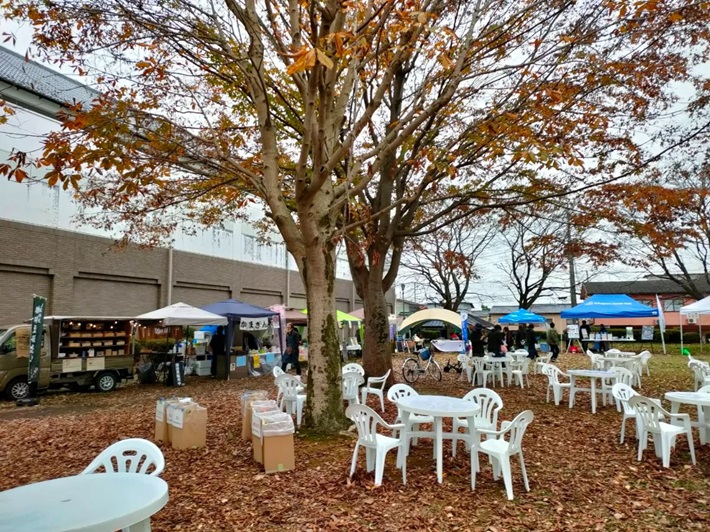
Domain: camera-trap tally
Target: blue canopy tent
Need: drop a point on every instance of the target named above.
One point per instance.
(522, 316)
(610, 306)
(235, 310)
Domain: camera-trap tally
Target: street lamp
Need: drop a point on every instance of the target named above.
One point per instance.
(402, 285)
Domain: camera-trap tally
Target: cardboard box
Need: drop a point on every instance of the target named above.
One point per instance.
(278, 453)
(189, 425)
(247, 399)
(161, 421)
(168, 414)
(277, 443)
(257, 445)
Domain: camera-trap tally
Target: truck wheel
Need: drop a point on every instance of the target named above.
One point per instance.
(17, 389)
(106, 382)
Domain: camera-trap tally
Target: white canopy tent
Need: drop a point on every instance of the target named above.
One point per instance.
(699, 307)
(183, 314)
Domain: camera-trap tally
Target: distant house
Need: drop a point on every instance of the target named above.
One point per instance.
(645, 291)
(551, 311)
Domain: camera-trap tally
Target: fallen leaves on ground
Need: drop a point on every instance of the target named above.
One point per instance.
(581, 477)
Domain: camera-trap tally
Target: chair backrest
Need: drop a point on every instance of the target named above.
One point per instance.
(289, 385)
(552, 372)
(398, 391)
(134, 455)
(463, 359)
(650, 412)
(522, 352)
(623, 392)
(613, 351)
(544, 359)
(479, 363)
(516, 429)
(489, 402)
(366, 421)
(351, 381)
(353, 342)
(277, 372)
(353, 367)
(623, 375)
(524, 365)
(704, 389)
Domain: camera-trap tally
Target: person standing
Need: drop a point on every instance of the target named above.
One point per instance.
(585, 337)
(495, 340)
(508, 338)
(603, 346)
(530, 341)
(520, 337)
(553, 339)
(293, 342)
(476, 338)
(217, 346)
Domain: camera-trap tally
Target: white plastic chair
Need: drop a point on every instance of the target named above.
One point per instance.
(553, 374)
(520, 371)
(496, 368)
(701, 373)
(353, 367)
(702, 423)
(500, 450)
(612, 352)
(277, 372)
(293, 400)
(467, 366)
(539, 361)
(645, 357)
(351, 387)
(487, 418)
(134, 455)
(402, 390)
(624, 376)
(479, 370)
(650, 415)
(376, 445)
(375, 386)
(622, 392)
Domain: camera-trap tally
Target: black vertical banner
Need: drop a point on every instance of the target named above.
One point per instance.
(37, 331)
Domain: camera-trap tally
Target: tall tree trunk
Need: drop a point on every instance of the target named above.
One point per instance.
(324, 403)
(377, 354)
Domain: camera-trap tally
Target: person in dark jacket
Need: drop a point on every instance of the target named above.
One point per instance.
(495, 340)
(553, 340)
(217, 346)
(293, 342)
(585, 337)
(530, 341)
(508, 338)
(520, 336)
(476, 338)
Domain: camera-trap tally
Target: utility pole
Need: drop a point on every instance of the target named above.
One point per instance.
(570, 265)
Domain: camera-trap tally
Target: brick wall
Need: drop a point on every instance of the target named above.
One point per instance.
(82, 274)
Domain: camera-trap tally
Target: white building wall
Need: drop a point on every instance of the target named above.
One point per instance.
(33, 202)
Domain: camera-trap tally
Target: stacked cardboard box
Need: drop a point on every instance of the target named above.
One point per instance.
(181, 422)
(247, 399)
(259, 410)
(277, 437)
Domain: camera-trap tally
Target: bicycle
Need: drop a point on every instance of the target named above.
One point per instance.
(412, 368)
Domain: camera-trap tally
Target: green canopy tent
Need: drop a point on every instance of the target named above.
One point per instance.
(352, 322)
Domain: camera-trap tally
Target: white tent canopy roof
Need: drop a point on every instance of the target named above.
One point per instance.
(699, 307)
(432, 314)
(183, 314)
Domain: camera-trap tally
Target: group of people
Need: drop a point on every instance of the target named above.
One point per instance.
(500, 340)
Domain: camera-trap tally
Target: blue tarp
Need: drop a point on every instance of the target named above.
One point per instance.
(522, 316)
(610, 306)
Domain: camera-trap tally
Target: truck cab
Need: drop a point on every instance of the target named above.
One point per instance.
(14, 359)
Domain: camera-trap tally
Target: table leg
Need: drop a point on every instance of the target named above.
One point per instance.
(704, 430)
(594, 395)
(439, 449)
(572, 379)
(405, 432)
(143, 526)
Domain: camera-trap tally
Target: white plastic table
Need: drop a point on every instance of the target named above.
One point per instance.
(448, 346)
(439, 407)
(89, 503)
(497, 367)
(592, 375)
(697, 399)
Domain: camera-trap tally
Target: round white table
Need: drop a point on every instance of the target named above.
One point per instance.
(88, 503)
(699, 399)
(439, 407)
(592, 375)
